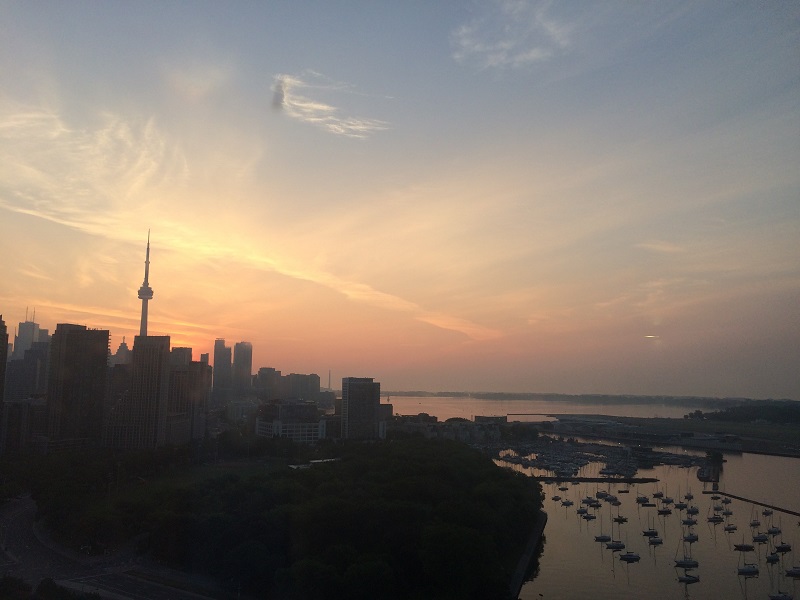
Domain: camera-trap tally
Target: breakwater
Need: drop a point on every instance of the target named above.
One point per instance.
(756, 502)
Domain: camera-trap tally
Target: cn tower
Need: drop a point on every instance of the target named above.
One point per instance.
(145, 292)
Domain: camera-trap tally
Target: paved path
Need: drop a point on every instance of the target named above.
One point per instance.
(29, 554)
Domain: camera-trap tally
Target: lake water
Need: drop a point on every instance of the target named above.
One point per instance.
(527, 410)
(574, 565)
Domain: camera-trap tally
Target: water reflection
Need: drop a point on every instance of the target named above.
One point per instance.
(574, 564)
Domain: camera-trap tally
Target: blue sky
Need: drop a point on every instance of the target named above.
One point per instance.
(512, 196)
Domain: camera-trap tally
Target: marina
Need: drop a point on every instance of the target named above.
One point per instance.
(702, 557)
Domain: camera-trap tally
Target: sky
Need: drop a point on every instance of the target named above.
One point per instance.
(503, 195)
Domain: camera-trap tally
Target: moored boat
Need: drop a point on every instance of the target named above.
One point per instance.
(748, 569)
(629, 557)
(687, 562)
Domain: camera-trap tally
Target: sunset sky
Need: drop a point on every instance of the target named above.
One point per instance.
(576, 197)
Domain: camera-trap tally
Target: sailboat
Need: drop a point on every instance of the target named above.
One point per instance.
(630, 557)
(748, 570)
(744, 547)
(602, 537)
(687, 562)
(650, 532)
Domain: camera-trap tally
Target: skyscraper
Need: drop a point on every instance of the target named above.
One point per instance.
(76, 385)
(139, 420)
(189, 385)
(242, 367)
(361, 397)
(145, 292)
(3, 357)
(28, 333)
(223, 375)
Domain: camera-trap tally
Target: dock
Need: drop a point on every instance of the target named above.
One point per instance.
(756, 502)
(557, 479)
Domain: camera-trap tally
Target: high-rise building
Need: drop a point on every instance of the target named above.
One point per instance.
(361, 397)
(76, 386)
(223, 375)
(3, 357)
(28, 333)
(26, 377)
(3, 361)
(140, 421)
(189, 386)
(242, 367)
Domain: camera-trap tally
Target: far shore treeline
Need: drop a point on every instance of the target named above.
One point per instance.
(709, 401)
(404, 518)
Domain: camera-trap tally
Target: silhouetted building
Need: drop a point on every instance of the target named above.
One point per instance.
(76, 386)
(361, 398)
(223, 376)
(139, 421)
(27, 377)
(270, 385)
(27, 334)
(23, 421)
(123, 355)
(242, 367)
(3, 357)
(189, 387)
(300, 422)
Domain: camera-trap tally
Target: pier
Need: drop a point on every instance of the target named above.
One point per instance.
(557, 479)
(756, 502)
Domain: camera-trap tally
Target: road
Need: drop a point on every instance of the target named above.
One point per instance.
(33, 557)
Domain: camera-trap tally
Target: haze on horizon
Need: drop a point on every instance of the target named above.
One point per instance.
(509, 195)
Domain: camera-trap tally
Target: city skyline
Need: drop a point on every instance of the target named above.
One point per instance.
(502, 196)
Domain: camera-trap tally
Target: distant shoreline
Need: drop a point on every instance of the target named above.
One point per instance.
(587, 398)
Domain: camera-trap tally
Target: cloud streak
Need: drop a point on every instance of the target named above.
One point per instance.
(291, 96)
(510, 34)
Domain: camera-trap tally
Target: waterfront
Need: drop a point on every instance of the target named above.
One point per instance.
(574, 565)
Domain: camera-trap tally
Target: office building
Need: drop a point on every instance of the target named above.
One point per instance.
(139, 420)
(361, 398)
(76, 385)
(189, 387)
(3, 356)
(300, 422)
(223, 376)
(242, 367)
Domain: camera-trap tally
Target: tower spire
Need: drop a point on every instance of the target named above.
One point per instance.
(145, 292)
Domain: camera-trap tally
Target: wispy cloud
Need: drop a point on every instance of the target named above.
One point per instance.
(291, 94)
(661, 247)
(98, 181)
(79, 177)
(510, 34)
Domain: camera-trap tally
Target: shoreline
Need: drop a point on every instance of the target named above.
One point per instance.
(518, 577)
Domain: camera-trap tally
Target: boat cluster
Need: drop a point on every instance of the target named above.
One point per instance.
(565, 458)
(777, 549)
(720, 512)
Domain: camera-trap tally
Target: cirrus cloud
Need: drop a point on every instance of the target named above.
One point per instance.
(291, 94)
